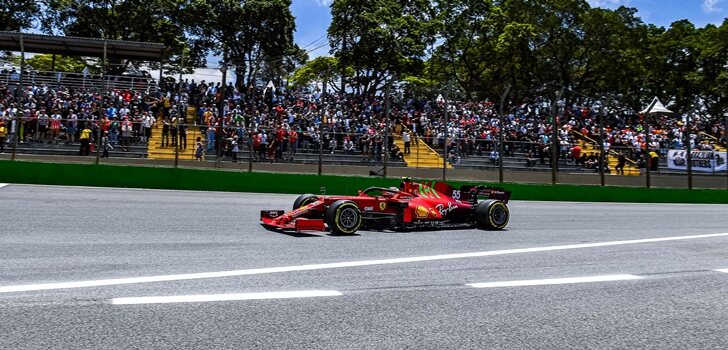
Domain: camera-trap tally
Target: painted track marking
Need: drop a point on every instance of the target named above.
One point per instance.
(3, 185)
(554, 281)
(722, 270)
(224, 297)
(269, 270)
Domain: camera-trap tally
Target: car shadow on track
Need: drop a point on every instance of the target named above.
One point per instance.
(299, 234)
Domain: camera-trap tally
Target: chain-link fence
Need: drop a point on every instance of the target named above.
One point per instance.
(172, 142)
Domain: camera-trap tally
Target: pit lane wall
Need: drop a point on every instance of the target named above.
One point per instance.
(261, 182)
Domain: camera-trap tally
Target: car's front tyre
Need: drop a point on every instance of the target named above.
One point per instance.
(343, 217)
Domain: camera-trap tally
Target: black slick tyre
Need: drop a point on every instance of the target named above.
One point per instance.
(304, 199)
(343, 217)
(491, 215)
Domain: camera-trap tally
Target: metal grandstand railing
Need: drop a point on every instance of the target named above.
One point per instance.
(79, 81)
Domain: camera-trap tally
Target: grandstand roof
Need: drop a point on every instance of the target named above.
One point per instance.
(76, 46)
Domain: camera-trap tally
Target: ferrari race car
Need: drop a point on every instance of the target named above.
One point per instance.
(411, 206)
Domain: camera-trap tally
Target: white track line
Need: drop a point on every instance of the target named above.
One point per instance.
(268, 270)
(551, 281)
(224, 297)
(3, 185)
(722, 270)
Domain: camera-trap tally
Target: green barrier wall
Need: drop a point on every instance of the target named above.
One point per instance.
(214, 180)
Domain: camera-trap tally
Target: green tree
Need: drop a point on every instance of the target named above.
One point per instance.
(469, 35)
(710, 79)
(58, 63)
(324, 69)
(16, 15)
(380, 39)
(671, 55)
(251, 36)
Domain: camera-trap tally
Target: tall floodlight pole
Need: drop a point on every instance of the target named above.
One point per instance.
(15, 126)
(387, 111)
(502, 130)
(555, 137)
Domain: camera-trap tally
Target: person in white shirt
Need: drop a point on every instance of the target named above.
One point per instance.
(147, 123)
(71, 128)
(407, 139)
(43, 122)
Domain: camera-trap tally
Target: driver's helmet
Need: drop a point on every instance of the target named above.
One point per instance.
(394, 189)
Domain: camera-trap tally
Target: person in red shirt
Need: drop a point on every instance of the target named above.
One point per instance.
(292, 143)
(576, 153)
(280, 111)
(105, 124)
(281, 141)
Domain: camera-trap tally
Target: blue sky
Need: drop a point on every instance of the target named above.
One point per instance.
(313, 16)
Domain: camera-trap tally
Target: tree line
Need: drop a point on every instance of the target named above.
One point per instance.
(536, 48)
(475, 49)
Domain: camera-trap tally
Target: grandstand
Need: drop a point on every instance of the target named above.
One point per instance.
(473, 126)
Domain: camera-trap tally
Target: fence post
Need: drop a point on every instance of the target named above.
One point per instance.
(386, 127)
(446, 142)
(602, 156)
(688, 145)
(250, 150)
(221, 114)
(103, 92)
(502, 130)
(321, 149)
(179, 109)
(555, 137)
(648, 160)
(15, 128)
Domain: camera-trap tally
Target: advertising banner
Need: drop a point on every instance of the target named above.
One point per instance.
(703, 161)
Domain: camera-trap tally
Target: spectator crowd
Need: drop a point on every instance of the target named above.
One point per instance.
(280, 123)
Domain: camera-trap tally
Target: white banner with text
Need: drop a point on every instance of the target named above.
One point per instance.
(703, 161)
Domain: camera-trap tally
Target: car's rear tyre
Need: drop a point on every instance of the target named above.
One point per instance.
(304, 199)
(491, 214)
(343, 217)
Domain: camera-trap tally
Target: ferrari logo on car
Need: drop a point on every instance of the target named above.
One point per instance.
(382, 206)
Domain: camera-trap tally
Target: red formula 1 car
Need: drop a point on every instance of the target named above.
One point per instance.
(413, 205)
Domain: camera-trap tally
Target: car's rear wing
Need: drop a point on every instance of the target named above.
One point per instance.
(471, 193)
(474, 192)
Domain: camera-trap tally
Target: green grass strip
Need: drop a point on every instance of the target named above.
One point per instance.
(69, 174)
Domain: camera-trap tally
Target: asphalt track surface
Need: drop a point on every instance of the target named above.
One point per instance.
(386, 290)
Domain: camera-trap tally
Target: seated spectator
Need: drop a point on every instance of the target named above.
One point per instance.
(395, 153)
(591, 161)
(349, 146)
(494, 156)
(530, 159)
